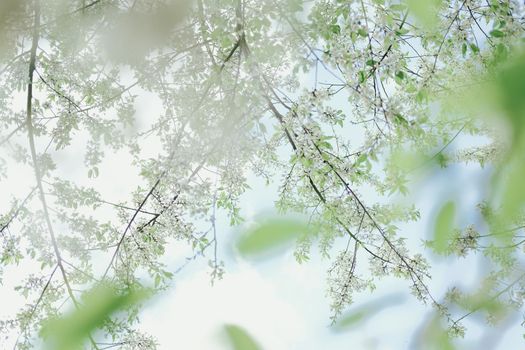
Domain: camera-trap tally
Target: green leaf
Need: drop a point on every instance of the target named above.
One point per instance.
(513, 191)
(362, 76)
(401, 31)
(72, 330)
(336, 29)
(399, 77)
(398, 7)
(425, 11)
(511, 93)
(240, 339)
(362, 32)
(271, 235)
(362, 158)
(443, 229)
(497, 33)
(354, 318)
(435, 337)
(400, 120)
(500, 53)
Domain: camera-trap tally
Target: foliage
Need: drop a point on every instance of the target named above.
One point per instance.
(335, 98)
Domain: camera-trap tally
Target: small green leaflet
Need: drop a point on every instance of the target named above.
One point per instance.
(336, 29)
(497, 33)
(240, 339)
(443, 229)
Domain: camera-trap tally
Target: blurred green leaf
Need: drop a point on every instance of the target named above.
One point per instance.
(9, 8)
(357, 316)
(240, 339)
(435, 337)
(135, 33)
(270, 235)
(510, 91)
(502, 99)
(353, 319)
(13, 16)
(426, 11)
(444, 226)
(71, 331)
(511, 88)
(513, 190)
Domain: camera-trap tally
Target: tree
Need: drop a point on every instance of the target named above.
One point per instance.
(341, 100)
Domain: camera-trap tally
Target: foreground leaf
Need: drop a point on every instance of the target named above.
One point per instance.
(71, 331)
(444, 226)
(271, 235)
(239, 338)
(359, 315)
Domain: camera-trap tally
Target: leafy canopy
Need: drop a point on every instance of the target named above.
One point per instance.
(342, 102)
